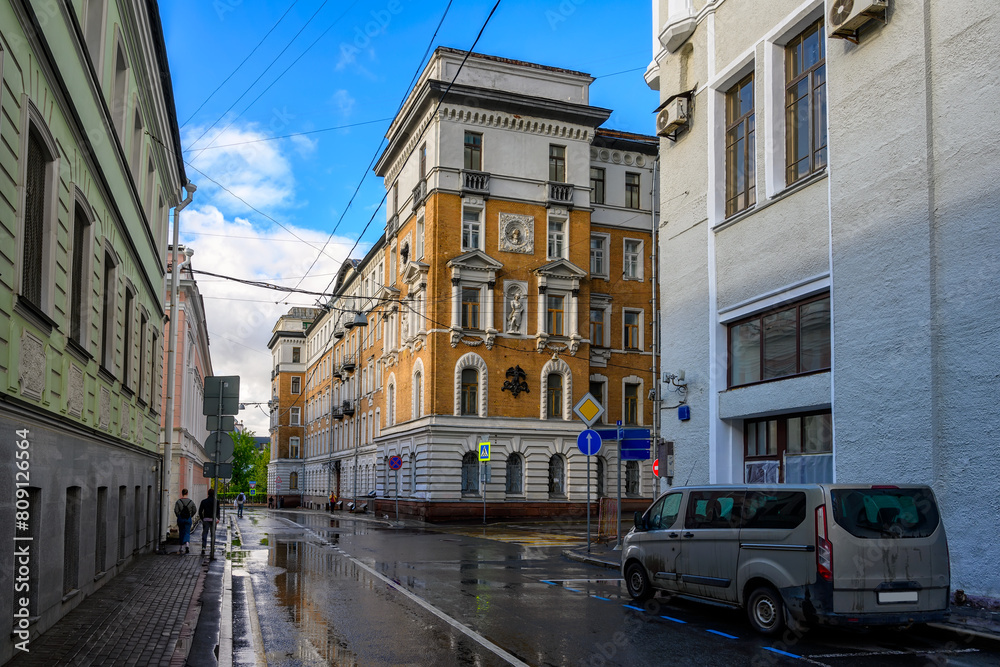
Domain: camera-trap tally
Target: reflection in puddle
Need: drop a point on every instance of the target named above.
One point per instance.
(302, 585)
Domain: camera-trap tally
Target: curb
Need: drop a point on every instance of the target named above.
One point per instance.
(590, 559)
(964, 632)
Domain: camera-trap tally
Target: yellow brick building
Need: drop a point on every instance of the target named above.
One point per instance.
(515, 275)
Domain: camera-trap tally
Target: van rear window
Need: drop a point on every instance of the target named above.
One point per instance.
(885, 513)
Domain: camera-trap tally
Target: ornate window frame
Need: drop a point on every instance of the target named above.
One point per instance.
(559, 367)
(471, 360)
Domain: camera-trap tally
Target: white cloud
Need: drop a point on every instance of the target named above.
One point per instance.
(240, 317)
(257, 171)
(343, 101)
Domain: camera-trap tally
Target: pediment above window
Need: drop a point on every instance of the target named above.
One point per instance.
(561, 269)
(414, 272)
(474, 265)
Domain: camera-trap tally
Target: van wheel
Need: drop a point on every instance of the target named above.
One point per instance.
(766, 611)
(638, 583)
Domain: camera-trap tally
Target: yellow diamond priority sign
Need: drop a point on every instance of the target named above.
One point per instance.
(589, 409)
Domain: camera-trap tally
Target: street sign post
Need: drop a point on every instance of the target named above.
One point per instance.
(395, 463)
(484, 472)
(589, 442)
(222, 442)
(656, 468)
(217, 470)
(484, 451)
(253, 492)
(222, 399)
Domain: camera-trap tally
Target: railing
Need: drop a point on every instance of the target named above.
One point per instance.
(337, 373)
(561, 194)
(337, 413)
(419, 194)
(475, 182)
(393, 225)
(348, 407)
(349, 365)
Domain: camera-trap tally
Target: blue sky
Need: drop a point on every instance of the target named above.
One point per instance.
(350, 65)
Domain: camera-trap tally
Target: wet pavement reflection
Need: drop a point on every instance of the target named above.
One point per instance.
(356, 591)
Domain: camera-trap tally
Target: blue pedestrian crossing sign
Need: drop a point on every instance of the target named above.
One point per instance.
(589, 442)
(484, 451)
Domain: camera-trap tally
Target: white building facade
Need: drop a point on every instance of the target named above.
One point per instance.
(829, 256)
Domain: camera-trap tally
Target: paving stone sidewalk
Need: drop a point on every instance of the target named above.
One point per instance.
(137, 618)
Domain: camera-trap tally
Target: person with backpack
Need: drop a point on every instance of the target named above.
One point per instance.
(184, 510)
(240, 499)
(208, 512)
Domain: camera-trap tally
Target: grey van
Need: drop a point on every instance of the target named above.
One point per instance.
(833, 554)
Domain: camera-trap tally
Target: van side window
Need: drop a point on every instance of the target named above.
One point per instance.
(664, 512)
(774, 509)
(714, 509)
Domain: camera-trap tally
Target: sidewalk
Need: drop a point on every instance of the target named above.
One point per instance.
(963, 620)
(147, 615)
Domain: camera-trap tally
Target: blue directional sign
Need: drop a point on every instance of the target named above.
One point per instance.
(627, 433)
(589, 442)
(635, 455)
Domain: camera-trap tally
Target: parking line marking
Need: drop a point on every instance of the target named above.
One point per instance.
(575, 590)
(780, 652)
(550, 583)
(675, 620)
(721, 634)
(628, 606)
(600, 598)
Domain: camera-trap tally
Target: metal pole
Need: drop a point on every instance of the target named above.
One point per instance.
(168, 417)
(215, 471)
(588, 503)
(397, 495)
(482, 477)
(618, 538)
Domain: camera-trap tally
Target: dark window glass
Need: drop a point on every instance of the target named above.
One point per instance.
(80, 284)
(886, 513)
(470, 474)
(713, 509)
(631, 341)
(515, 473)
(632, 478)
(597, 327)
(36, 188)
(557, 476)
(805, 103)
(470, 391)
(789, 341)
(664, 512)
(631, 415)
(632, 190)
(596, 185)
(108, 304)
(473, 151)
(557, 164)
(554, 395)
(740, 169)
(600, 474)
(774, 509)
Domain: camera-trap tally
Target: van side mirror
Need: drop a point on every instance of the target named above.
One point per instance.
(639, 523)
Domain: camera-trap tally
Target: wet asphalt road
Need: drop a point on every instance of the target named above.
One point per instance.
(317, 590)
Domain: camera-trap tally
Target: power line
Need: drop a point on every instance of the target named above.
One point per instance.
(371, 162)
(261, 75)
(293, 134)
(243, 62)
(278, 78)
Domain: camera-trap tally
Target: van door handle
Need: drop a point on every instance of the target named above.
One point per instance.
(673, 535)
(688, 534)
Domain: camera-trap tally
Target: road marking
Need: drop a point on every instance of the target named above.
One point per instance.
(469, 632)
(721, 634)
(675, 620)
(575, 590)
(550, 583)
(628, 606)
(780, 652)
(600, 598)
(866, 654)
(589, 580)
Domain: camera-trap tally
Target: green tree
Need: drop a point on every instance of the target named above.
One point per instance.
(245, 456)
(259, 473)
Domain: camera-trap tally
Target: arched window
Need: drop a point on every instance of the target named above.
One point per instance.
(470, 474)
(554, 396)
(40, 204)
(418, 390)
(602, 466)
(80, 272)
(470, 390)
(390, 404)
(632, 478)
(515, 474)
(293, 480)
(471, 376)
(557, 476)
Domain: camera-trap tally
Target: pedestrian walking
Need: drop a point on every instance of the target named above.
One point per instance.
(208, 512)
(184, 510)
(240, 499)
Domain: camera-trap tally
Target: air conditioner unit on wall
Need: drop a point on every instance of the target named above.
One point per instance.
(672, 117)
(845, 17)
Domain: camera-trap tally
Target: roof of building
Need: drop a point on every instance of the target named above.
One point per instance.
(508, 61)
(643, 143)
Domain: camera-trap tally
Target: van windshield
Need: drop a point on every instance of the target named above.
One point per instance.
(885, 513)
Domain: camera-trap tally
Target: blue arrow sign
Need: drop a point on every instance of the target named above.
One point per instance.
(589, 442)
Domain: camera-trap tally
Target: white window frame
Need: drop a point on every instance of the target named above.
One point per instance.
(481, 288)
(417, 406)
(478, 227)
(558, 367)
(291, 384)
(295, 416)
(605, 245)
(639, 274)
(563, 239)
(294, 445)
(642, 338)
(471, 360)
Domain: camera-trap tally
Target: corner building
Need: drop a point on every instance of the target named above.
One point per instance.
(515, 275)
(830, 252)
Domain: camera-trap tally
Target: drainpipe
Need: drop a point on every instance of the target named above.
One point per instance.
(657, 399)
(168, 413)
